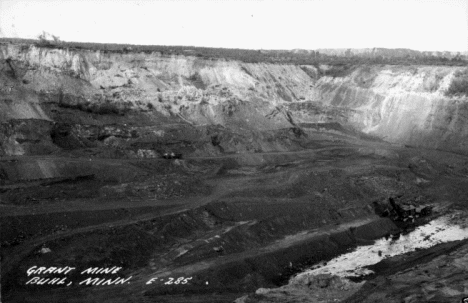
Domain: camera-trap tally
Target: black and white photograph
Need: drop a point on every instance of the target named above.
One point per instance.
(233, 151)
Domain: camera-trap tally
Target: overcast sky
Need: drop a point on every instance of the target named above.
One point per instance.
(256, 24)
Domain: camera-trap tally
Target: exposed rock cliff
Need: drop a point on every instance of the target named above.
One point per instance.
(137, 102)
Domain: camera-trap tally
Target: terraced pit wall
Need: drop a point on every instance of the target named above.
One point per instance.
(137, 104)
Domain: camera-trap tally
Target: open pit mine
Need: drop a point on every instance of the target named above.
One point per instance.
(130, 176)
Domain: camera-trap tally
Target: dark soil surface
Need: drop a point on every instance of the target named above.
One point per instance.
(221, 227)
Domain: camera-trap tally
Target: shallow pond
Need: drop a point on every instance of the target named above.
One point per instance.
(352, 264)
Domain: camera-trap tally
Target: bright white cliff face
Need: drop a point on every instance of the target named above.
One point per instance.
(400, 104)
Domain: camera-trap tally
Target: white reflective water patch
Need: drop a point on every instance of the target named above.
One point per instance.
(352, 264)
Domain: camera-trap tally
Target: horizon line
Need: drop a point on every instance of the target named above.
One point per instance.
(464, 52)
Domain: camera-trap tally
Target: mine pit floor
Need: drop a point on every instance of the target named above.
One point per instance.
(234, 224)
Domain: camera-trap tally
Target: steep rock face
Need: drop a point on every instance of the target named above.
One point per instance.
(398, 104)
(152, 95)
